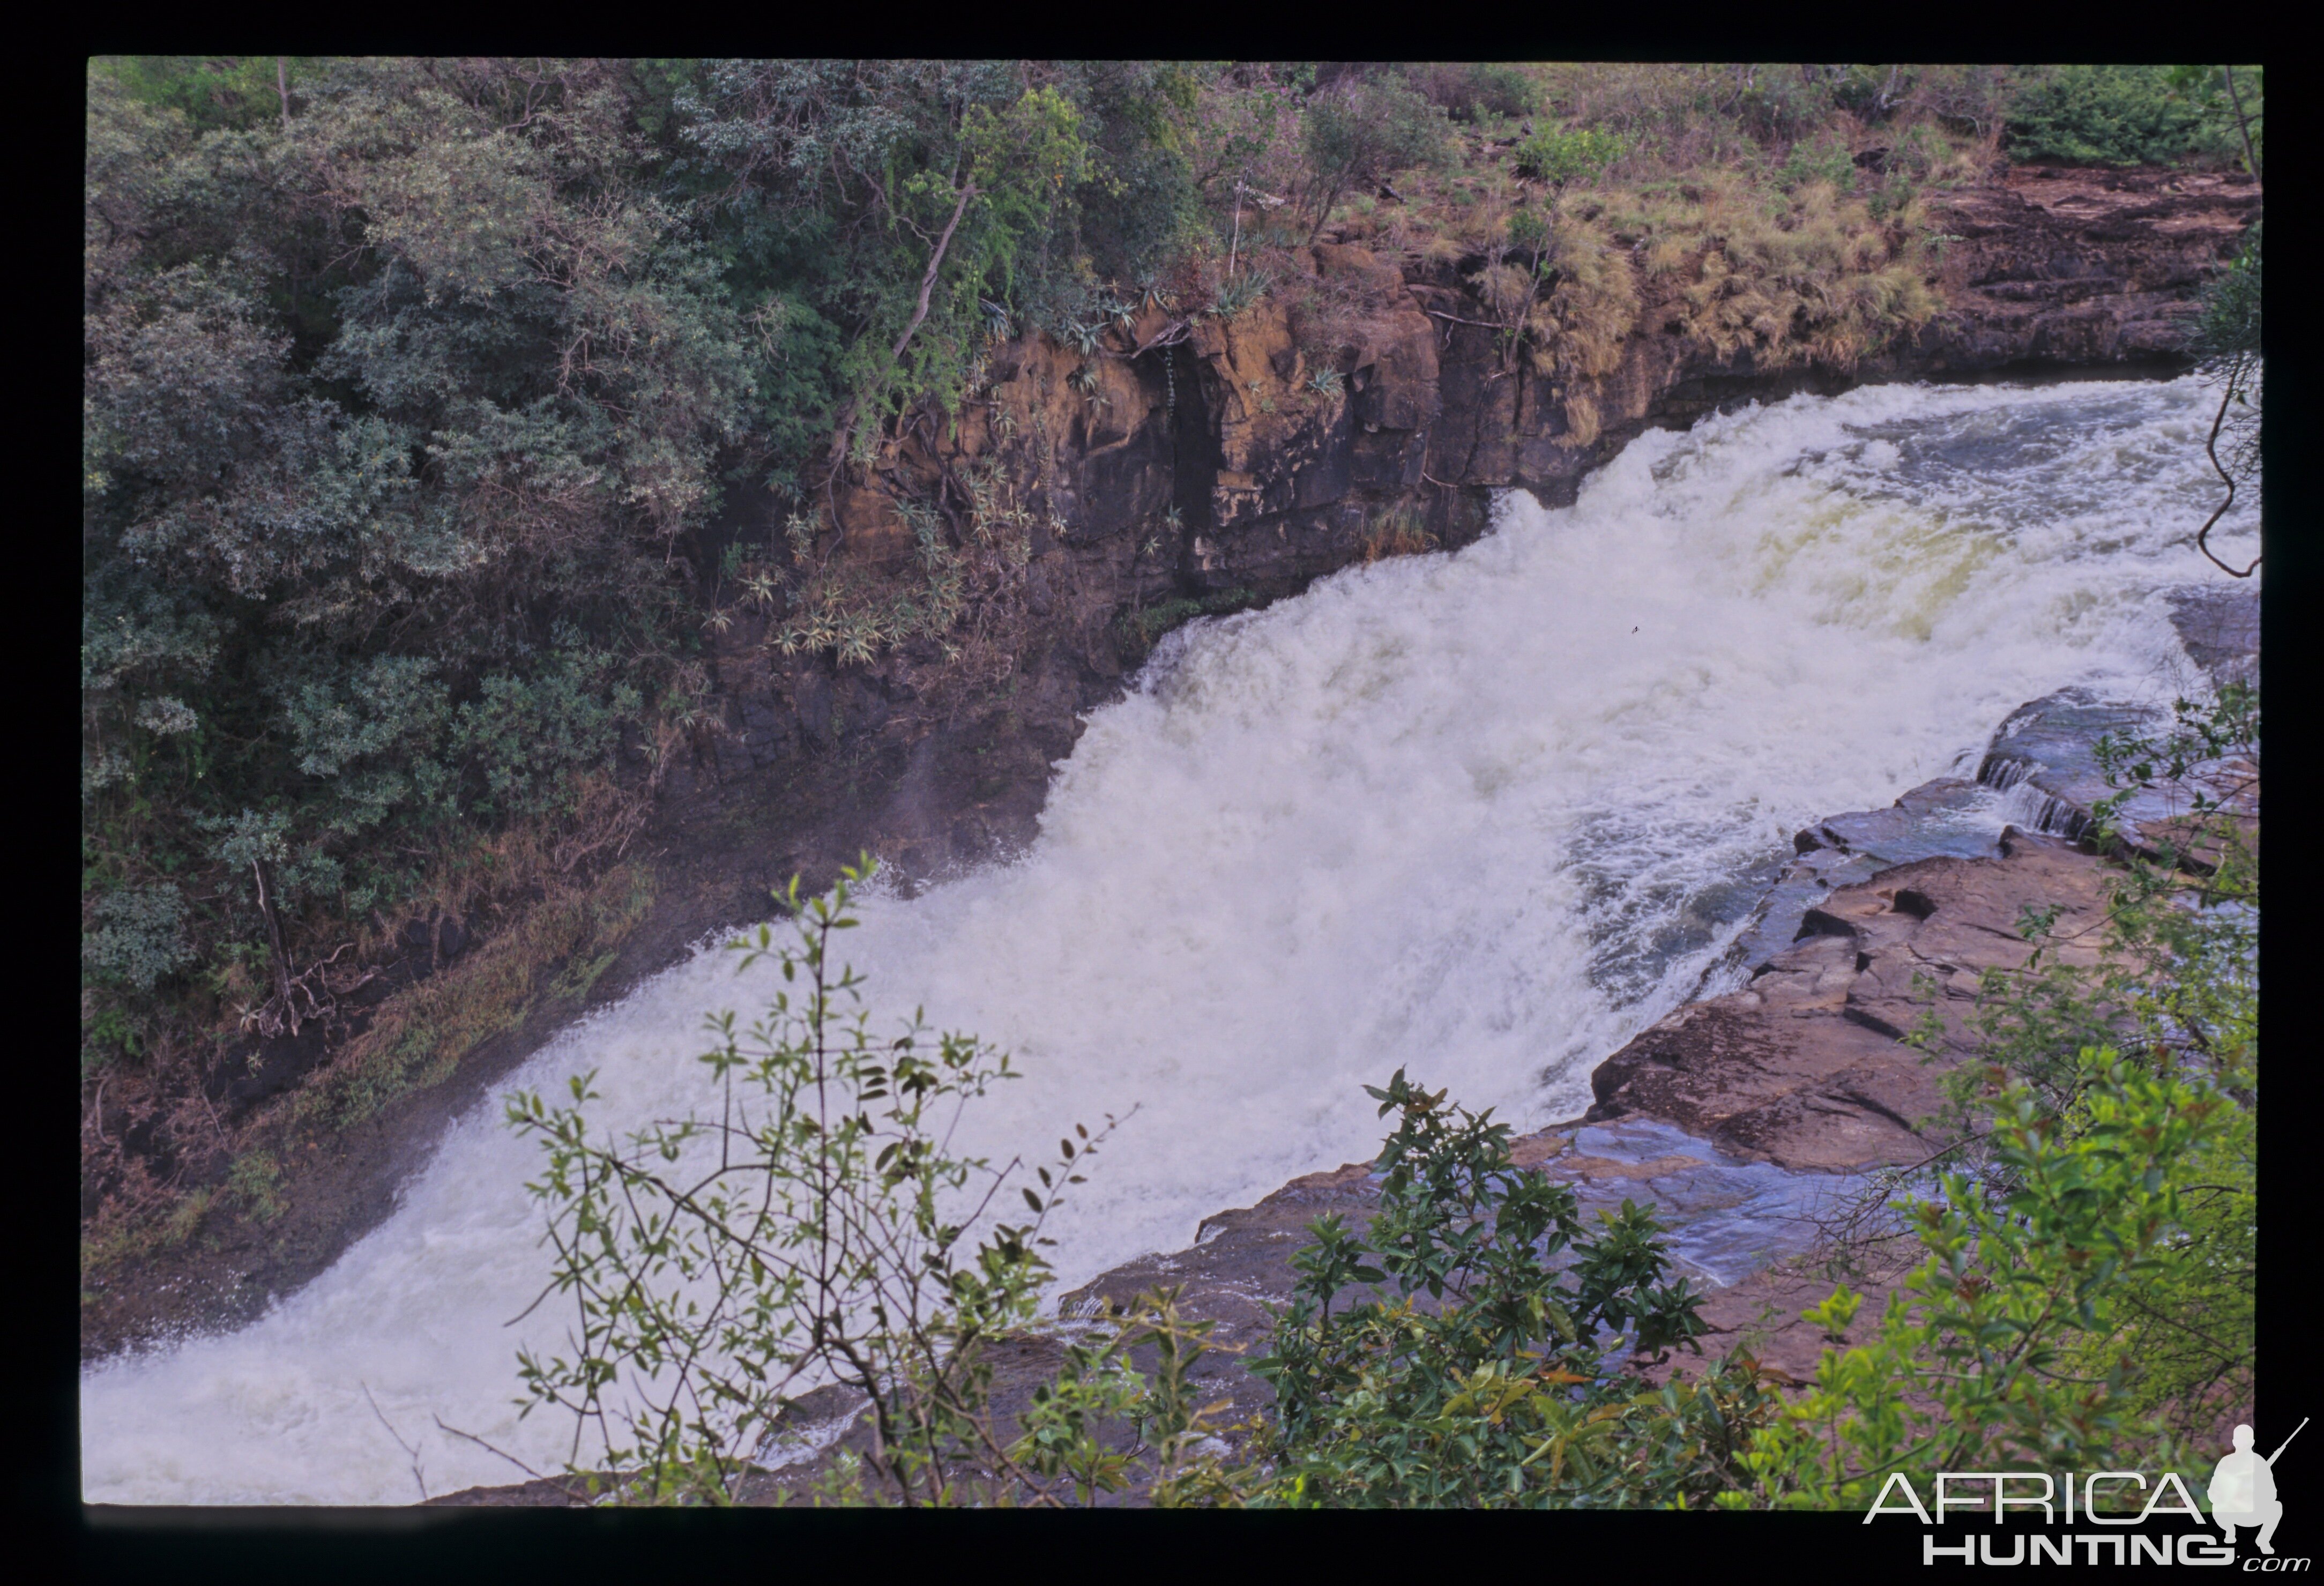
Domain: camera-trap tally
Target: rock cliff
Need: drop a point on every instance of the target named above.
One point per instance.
(1201, 463)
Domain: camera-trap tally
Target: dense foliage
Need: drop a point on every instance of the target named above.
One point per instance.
(2125, 115)
(1494, 1376)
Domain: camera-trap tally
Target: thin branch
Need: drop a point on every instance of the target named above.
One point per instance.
(919, 313)
(488, 1448)
(2211, 449)
(2243, 124)
(1481, 324)
(392, 1432)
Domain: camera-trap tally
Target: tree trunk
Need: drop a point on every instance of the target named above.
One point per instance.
(282, 954)
(919, 313)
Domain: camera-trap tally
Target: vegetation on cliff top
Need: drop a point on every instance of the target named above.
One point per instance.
(413, 392)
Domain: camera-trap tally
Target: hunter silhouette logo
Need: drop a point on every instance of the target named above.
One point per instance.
(2096, 1508)
(2242, 1490)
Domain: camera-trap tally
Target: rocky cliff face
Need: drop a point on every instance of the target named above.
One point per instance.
(1223, 462)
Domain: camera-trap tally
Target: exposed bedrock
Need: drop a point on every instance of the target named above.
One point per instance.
(1805, 1065)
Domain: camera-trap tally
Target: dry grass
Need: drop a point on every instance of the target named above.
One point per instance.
(1577, 327)
(1816, 277)
(1697, 207)
(1400, 531)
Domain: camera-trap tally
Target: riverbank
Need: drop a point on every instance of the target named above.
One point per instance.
(1745, 1118)
(1210, 476)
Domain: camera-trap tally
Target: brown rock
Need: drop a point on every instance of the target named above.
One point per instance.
(1805, 1068)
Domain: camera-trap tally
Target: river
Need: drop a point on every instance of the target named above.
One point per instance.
(1483, 814)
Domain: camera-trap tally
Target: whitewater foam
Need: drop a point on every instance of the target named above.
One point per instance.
(1478, 814)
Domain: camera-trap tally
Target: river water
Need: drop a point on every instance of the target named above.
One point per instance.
(1482, 815)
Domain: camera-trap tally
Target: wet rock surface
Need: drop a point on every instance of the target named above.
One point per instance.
(2220, 630)
(1805, 1066)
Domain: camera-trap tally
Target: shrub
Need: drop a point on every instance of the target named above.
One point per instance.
(528, 736)
(1358, 132)
(1143, 628)
(1490, 1378)
(2028, 1274)
(1558, 157)
(1830, 163)
(820, 1229)
(1477, 90)
(139, 935)
(2110, 115)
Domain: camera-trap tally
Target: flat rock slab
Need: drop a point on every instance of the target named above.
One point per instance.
(1949, 817)
(2220, 630)
(1805, 1068)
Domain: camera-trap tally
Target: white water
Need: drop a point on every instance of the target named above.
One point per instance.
(1478, 814)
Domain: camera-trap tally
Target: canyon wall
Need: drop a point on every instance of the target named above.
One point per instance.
(1219, 464)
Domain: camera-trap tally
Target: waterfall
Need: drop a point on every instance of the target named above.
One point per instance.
(1483, 814)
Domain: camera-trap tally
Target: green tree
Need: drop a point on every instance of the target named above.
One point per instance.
(1360, 131)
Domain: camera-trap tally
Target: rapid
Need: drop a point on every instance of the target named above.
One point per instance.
(1482, 815)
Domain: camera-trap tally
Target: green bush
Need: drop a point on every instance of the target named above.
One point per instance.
(1828, 162)
(1492, 1377)
(140, 937)
(1558, 157)
(527, 736)
(1359, 132)
(819, 1229)
(2110, 116)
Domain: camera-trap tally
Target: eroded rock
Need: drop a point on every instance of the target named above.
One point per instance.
(1807, 1066)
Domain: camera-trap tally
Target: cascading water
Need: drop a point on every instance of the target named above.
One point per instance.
(1483, 814)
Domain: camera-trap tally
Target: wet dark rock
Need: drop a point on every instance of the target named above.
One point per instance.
(275, 1065)
(1949, 816)
(2049, 748)
(2220, 630)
